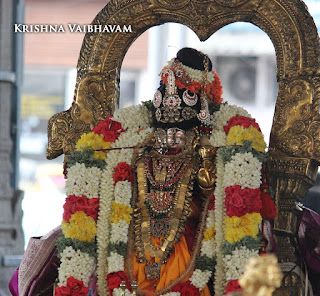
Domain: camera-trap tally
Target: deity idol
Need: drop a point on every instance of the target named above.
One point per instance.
(169, 197)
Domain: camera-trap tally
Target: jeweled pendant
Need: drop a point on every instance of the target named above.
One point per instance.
(153, 270)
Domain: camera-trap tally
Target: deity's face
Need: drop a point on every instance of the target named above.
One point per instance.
(175, 139)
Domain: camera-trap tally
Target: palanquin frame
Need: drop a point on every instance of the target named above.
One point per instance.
(295, 137)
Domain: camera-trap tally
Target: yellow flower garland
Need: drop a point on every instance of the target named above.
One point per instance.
(238, 133)
(209, 234)
(95, 142)
(81, 227)
(239, 227)
(120, 212)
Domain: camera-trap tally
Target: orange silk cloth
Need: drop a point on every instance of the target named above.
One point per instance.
(174, 268)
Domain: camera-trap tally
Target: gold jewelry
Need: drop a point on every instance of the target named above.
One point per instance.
(204, 115)
(177, 216)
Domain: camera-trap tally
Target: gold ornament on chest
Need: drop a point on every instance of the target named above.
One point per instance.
(164, 196)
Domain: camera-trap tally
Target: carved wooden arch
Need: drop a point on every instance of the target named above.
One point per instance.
(295, 136)
(287, 23)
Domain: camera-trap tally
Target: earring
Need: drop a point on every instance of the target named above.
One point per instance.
(190, 100)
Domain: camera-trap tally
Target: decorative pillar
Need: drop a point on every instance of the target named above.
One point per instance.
(11, 234)
(294, 161)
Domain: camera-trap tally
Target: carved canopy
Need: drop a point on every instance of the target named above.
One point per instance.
(287, 23)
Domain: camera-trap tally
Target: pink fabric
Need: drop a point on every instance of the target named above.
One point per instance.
(93, 286)
(267, 234)
(309, 238)
(13, 284)
(40, 253)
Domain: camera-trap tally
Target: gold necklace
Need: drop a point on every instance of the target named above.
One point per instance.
(178, 217)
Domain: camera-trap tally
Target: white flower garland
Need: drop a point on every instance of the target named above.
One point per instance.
(123, 192)
(221, 117)
(218, 138)
(194, 74)
(119, 232)
(132, 138)
(133, 118)
(200, 278)
(83, 181)
(236, 262)
(208, 247)
(220, 214)
(244, 170)
(210, 219)
(115, 262)
(136, 120)
(172, 294)
(92, 182)
(103, 235)
(77, 264)
(119, 292)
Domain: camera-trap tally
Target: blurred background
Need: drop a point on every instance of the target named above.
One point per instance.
(241, 53)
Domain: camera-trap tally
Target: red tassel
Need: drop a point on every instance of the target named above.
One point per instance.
(268, 209)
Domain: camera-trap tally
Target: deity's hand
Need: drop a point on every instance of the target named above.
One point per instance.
(207, 175)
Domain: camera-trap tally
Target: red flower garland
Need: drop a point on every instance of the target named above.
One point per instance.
(110, 129)
(242, 201)
(74, 288)
(233, 286)
(122, 172)
(75, 204)
(186, 289)
(246, 122)
(115, 279)
(214, 89)
(212, 202)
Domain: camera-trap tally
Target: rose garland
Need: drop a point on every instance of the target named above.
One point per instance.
(238, 196)
(96, 178)
(90, 196)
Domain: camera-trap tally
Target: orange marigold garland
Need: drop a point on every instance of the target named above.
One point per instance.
(191, 80)
(214, 90)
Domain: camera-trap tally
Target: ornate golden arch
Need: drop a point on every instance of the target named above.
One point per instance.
(294, 142)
